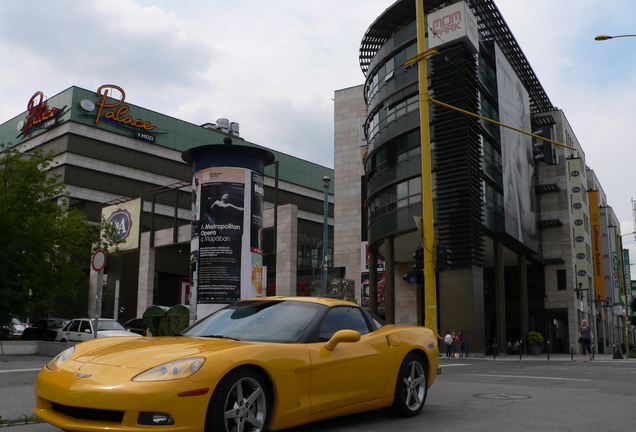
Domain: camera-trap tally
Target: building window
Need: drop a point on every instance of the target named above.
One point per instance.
(396, 151)
(310, 252)
(562, 283)
(395, 196)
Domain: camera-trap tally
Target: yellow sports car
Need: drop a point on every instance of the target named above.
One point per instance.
(262, 364)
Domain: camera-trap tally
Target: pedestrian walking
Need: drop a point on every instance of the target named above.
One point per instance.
(454, 345)
(585, 338)
(462, 343)
(448, 340)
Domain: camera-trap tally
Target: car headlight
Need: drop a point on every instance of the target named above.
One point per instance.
(60, 358)
(174, 370)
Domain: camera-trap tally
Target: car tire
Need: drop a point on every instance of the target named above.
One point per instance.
(241, 401)
(411, 387)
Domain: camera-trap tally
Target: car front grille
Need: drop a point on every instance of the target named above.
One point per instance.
(89, 413)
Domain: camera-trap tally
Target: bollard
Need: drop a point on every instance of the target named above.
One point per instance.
(548, 349)
(494, 349)
(520, 348)
(593, 351)
(571, 351)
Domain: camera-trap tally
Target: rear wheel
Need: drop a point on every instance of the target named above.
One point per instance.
(240, 403)
(411, 387)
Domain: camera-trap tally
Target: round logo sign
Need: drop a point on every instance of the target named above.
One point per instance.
(121, 222)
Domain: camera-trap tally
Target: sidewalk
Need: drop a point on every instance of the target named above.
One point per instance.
(541, 357)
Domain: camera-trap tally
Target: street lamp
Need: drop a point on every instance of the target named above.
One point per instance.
(325, 236)
(606, 37)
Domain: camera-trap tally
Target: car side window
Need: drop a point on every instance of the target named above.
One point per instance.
(74, 326)
(85, 326)
(342, 318)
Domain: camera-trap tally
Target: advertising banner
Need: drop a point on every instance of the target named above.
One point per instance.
(628, 283)
(597, 249)
(227, 225)
(578, 200)
(606, 247)
(125, 218)
(517, 157)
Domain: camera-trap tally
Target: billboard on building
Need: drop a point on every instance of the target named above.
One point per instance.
(606, 247)
(124, 218)
(628, 283)
(453, 23)
(597, 248)
(516, 154)
(578, 199)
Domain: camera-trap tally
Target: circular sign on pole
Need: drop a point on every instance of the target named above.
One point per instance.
(99, 260)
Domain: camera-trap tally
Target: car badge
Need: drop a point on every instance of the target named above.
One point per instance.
(83, 375)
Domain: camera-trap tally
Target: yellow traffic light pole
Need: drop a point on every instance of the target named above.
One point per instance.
(428, 229)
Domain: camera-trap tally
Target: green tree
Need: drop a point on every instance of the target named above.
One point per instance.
(43, 241)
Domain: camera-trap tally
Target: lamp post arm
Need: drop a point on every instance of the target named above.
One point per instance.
(606, 37)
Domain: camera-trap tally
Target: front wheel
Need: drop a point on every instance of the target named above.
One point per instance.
(240, 403)
(411, 387)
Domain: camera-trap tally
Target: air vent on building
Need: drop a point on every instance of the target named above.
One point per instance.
(223, 125)
(546, 223)
(548, 188)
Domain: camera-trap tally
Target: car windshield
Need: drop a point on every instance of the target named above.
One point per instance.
(109, 325)
(262, 320)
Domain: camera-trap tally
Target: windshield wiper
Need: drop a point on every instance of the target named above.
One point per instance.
(219, 337)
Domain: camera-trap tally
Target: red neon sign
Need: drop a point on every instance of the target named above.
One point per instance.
(37, 113)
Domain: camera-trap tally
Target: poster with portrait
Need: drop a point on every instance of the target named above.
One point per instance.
(516, 154)
(221, 223)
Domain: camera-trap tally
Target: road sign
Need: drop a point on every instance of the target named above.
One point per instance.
(99, 260)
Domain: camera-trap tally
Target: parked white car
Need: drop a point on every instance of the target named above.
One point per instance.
(81, 329)
(18, 328)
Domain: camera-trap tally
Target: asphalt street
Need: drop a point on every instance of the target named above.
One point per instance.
(503, 394)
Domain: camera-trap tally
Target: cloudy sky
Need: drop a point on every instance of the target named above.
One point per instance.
(273, 66)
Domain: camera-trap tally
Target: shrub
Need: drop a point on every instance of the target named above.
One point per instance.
(534, 338)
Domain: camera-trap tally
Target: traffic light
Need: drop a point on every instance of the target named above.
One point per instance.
(544, 150)
(419, 258)
(442, 258)
(415, 275)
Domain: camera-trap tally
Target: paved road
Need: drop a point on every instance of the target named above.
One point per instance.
(506, 394)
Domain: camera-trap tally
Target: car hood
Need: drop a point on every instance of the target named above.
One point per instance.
(142, 351)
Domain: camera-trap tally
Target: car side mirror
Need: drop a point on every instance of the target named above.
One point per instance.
(88, 331)
(342, 336)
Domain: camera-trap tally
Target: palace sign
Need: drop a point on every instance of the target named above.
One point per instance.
(112, 110)
(38, 116)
